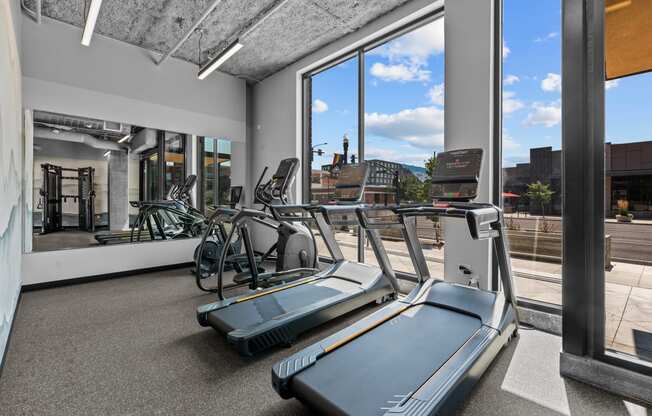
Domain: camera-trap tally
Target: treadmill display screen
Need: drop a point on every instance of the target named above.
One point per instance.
(456, 175)
(351, 182)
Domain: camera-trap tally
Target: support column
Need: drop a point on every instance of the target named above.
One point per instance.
(118, 190)
(469, 119)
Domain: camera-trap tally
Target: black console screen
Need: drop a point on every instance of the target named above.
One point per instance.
(456, 175)
(351, 182)
(285, 168)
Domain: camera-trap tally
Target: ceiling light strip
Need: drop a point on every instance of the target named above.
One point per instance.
(219, 59)
(91, 19)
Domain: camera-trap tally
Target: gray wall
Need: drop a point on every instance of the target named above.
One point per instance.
(11, 158)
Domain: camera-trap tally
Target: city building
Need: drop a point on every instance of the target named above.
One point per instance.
(628, 177)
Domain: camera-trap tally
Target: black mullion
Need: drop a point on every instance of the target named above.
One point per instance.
(217, 167)
(595, 190)
(583, 177)
(307, 138)
(201, 178)
(161, 166)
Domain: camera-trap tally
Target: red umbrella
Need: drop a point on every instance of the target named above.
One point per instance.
(510, 195)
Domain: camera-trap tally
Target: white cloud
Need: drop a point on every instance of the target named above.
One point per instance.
(509, 144)
(551, 83)
(547, 115)
(417, 46)
(420, 127)
(436, 94)
(399, 72)
(409, 158)
(549, 36)
(319, 106)
(408, 55)
(506, 50)
(511, 80)
(511, 103)
(611, 84)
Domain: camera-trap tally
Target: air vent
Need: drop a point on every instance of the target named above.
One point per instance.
(112, 126)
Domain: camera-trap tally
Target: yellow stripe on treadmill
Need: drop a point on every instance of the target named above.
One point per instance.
(278, 289)
(363, 331)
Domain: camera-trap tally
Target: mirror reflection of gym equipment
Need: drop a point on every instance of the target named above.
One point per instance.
(53, 198)
(99, 182)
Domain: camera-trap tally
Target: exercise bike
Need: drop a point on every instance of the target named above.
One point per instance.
(295, 247)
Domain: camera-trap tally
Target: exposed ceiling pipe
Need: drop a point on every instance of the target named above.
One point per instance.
(82, 138)
(144, 140)
(190, 31)
(34, 14)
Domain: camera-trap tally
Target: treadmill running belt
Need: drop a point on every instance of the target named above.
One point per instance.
(398, 357)
(265, 308)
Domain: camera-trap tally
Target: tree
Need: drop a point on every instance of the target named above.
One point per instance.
(430, 165)
(540, 193)
(412, 189)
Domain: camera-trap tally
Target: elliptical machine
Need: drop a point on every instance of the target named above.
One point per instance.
(295, 247)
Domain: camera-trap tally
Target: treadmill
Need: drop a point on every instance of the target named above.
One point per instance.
(420, 355)
(260, 319)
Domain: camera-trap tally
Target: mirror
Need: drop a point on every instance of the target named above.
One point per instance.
(99, 183)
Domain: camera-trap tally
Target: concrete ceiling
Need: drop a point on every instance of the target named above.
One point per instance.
(294, 30)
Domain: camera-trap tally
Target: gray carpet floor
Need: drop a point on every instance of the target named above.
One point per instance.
(131, 346)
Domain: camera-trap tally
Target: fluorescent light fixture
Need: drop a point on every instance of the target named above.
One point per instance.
(219, 59)
(107, 153)
(91, 18)
(124, 139)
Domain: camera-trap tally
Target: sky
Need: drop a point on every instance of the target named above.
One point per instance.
(404, 99)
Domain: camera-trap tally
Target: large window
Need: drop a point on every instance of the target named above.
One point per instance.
(383, 104)
(532, 189)
(334, 132)
(404, 128)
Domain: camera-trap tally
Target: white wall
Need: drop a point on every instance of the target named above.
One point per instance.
(468, 114)
(115, 81)
(51, 266)
(11, 162)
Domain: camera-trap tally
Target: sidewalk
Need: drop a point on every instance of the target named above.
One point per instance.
(628, 294)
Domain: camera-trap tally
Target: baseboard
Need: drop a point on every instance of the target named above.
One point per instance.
(95, 278)
(3, 359)
(616, 380)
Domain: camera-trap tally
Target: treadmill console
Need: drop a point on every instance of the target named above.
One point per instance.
(456, 175)
(351, 182)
